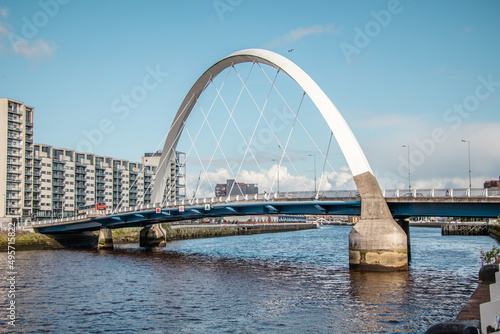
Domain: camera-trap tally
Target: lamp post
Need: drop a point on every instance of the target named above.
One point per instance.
(468, 150)
(314, 155)
(278, 175)
(409, 169)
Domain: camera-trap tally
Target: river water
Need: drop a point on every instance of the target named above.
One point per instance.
(291, 282)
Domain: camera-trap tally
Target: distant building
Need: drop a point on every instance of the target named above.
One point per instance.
(353, 219)
(492, 184)
(232, 188)
(175, 186)
(253, 219)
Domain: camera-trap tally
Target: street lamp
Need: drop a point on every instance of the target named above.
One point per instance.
(468, 149)
(278, 175)
(409, 169)
(314, 155)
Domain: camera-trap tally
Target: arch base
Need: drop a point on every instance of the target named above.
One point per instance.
(378, 245)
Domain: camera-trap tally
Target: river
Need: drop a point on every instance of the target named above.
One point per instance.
(290, 282)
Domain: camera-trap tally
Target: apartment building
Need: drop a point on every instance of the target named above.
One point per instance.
(67, 180)
(16, 160)
(175, 185)
(39, 181)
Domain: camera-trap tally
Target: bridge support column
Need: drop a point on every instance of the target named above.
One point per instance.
(105, 239)
(153, 236)
(405, 225)
(376, 242)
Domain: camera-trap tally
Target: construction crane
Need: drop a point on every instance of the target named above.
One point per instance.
(197, 185)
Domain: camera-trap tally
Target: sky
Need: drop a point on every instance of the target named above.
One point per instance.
(419, 73)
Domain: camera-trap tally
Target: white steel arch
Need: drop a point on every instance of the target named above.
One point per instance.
(348, 144)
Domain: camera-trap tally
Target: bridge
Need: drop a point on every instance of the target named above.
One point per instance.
(428, 203)
(376, 242)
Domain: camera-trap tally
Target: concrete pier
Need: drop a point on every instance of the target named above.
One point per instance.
(105, 239)
(405, 225)
(152, 236)
(376, 242)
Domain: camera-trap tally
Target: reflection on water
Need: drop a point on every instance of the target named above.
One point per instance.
(293, 282)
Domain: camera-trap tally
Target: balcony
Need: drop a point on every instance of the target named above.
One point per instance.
(14, 128)
(15, 111)
(29, 140)
(13, 170)
(58, 168)
(80, 170)
(13, 136)
(14, 162)
(58, 192)
(37, 181)
(57, 184)
(58, 176)
(13, 188)
(28, 156)
(36, 198)
(27, 190)
(14, 144)
(14, 153)
(30, 124)
(15, 119)
(58, 161)
(29, 131)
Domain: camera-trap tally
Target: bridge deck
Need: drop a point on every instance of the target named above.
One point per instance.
(402, 207)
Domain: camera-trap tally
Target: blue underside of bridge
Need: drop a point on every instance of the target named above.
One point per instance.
(398, 209)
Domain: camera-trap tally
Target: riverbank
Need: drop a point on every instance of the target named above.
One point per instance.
(468, 319)
(26, 240)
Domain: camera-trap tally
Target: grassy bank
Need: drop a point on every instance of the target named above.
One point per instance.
(28, 240)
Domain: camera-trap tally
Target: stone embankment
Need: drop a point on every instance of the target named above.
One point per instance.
(26, 240)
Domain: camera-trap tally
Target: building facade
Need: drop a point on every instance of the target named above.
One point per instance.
(67, 180)
(235, 188)
(16, 160)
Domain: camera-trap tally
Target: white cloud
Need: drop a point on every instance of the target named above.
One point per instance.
(29, 48)
(437, 164)
(267, 180)
(36, 49)
(4, 12)
(300, 32)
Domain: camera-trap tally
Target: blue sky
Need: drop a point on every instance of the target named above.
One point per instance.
(424, 73)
